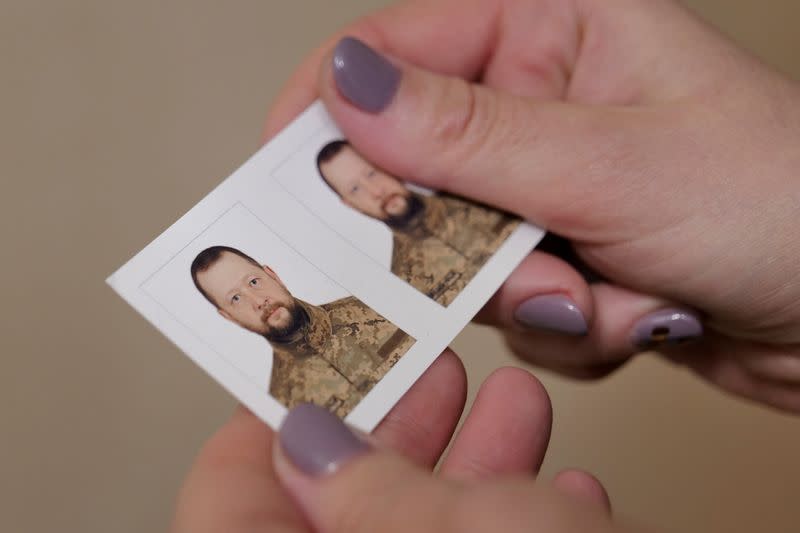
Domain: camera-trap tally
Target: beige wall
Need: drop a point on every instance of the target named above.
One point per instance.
(116, 118)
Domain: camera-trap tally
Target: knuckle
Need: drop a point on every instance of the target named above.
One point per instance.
(457, 122)
(368, 503)
(385, 506)
(464, 123)
(410, 431)
(467, 511)
(357, 515)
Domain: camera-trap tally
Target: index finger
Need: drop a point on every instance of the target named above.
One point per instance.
(452, 37)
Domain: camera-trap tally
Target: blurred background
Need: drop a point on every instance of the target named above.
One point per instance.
(115, 118)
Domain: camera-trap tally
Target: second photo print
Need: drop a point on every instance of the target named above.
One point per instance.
(434, 242)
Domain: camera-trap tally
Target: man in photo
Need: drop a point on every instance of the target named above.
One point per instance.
(330, 354)
(440, 241)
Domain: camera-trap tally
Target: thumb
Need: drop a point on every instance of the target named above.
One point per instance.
(342, 484)
(544, 160)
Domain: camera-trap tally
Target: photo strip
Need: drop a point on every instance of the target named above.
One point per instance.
(283, 283)
(436, 242)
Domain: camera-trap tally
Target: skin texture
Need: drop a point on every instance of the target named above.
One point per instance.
(233, 485)
(249, 295)
(363, 187)
(665, 154)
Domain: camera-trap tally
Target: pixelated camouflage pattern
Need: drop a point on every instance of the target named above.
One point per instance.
(344, 350)
(441, 251)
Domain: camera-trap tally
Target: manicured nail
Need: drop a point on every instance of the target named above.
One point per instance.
(363, 76)
(554, 312)
(672, 326)
(316, 441)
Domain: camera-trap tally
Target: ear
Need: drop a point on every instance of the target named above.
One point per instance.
(225, 314)
(271, 273)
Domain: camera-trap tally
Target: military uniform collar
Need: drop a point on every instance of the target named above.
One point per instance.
(315, 335)
(431, 218)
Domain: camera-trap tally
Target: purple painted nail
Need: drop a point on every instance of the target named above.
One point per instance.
(671, 325)
(363, 76)
(316, 441)
(554, 312)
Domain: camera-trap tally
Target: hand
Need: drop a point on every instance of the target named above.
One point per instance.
(233, 487)
(342, 484)
(667, 156)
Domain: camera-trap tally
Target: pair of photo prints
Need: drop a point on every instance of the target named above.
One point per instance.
(312, 275)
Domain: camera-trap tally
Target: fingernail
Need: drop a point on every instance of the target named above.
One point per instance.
(316, 441)
(554, 312)
(363, 76)
(671, 325)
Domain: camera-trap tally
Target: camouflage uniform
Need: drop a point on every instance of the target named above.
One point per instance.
(440, 251)
(342, 352)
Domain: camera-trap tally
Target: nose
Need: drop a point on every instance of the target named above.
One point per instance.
(374, 189)
(256, 303)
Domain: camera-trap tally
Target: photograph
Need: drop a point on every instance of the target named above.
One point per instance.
(276, 318)
(276, 266)
(435, 242)
(287, 293)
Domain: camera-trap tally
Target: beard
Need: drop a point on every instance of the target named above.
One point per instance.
(298, 318)
(414, 208)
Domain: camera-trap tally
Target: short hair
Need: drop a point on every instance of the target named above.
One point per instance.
(328, 152)
(206, 260)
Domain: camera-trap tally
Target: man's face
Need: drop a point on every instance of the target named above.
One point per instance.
(364, 187)
(249, 295)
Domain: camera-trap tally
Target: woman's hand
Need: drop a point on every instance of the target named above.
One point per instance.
(666, 155)
(343, 485)
(233, 486)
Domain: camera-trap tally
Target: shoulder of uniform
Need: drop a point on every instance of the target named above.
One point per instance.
(399, 246)
(454, 202)
(341, 302)
(350, 304)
